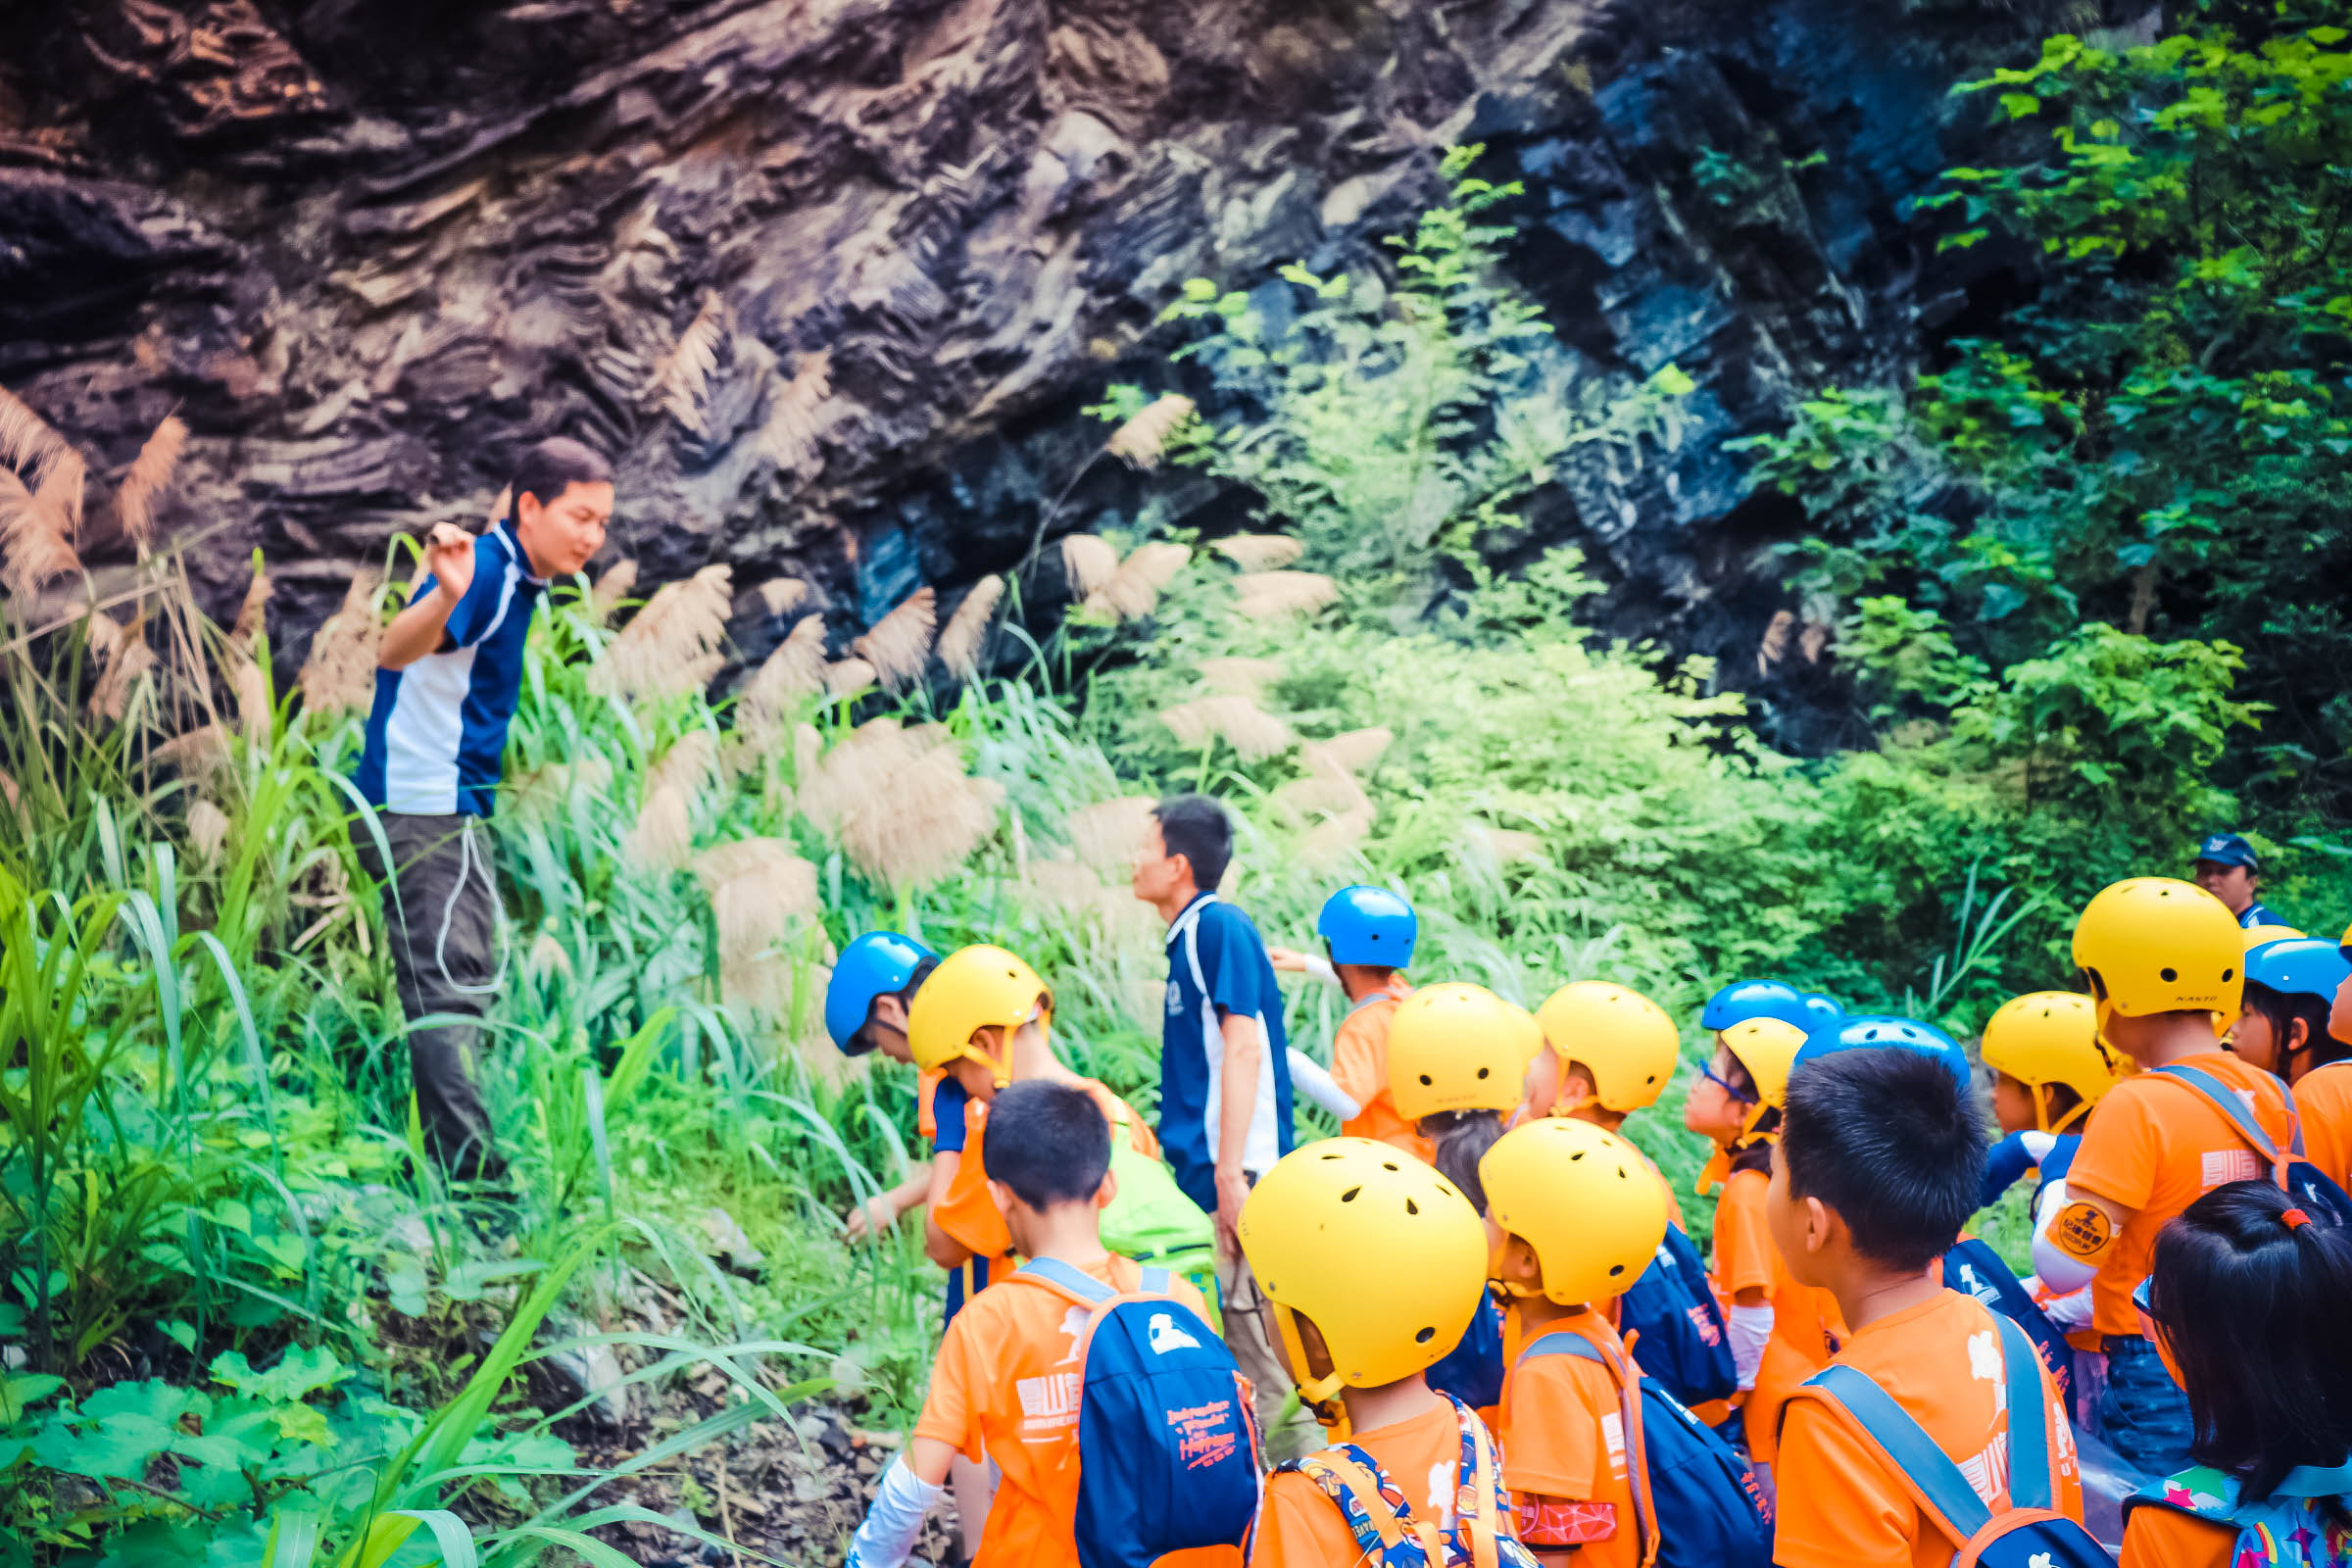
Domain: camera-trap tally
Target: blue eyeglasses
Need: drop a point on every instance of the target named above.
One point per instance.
(1744, 1096)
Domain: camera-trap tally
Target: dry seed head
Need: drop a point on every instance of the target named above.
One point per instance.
(1108, 833)
(780, 594)
(760, 890)
(1088, 561)
(546, 960)
(1239, 677)
(807, 747)
(1064, 884)
(847, 678)
(250, 683)
(339, 672)
(149, 478)
(795, 422)
(25, 439)
(1142, 439)
(252, 612)
(795, 669)
(685, 376)
(33, 548)
(669, 647)
(618, 582)
(965, 638)
(129, 660)
(1251, 730)
(1325, 795)
(1132, 591)
(1327, 844)
(1262, 552)
(1775, 644)
(1813, 641)
(546, 789)
(1358, 749)
(898, 804)
(1262, 595)
(1506, 844)
(208, 831)
(899, 644)
(663, 835)
(686, 766)
(200, 753)
(10, 795)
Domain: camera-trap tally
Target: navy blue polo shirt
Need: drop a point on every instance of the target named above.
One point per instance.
(1217, 962)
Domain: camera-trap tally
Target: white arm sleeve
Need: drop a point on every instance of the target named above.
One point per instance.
(1750, 1327)
(2060, 1271)
(1310, 1080)
(887, 1537)
(1318, 967)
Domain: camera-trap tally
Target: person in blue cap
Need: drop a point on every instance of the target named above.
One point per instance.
(2228, 868)
(874, 982)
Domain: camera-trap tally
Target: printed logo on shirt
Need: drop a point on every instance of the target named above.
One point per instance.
(1983, 1357)
(1612, 1432)
(2223, 1165)
(1073, 1323)
(1988, 1473)
(1175, 999)
(1048, 1404)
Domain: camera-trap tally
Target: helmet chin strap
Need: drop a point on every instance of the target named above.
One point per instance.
(1319, 1395)
(999, 1067)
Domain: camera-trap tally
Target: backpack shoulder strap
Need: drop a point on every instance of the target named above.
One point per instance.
(1628, 1379)
(1373, 1506)
(1155, 1282)
(1914, 1455)
(2222, 1098)
(1056, 1275)
(2029, 1454)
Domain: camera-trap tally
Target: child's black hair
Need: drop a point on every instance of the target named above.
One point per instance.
(2281, 1009)
(553, 467)
(1463, 1137)
(1885, 1138)
(2251, 1310)
(915, 981)
(1048, 1142)
(1197, 827)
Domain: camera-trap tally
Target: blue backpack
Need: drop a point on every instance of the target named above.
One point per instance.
(1472, 1371)
(1676, 1327)
(1975, 1269)
(1682, 1472)
(2310, 1189)
(2302, 1523)
(1167, 1445)
(2030, 1533)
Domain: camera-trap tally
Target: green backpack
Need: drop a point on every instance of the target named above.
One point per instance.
(1152, 1222)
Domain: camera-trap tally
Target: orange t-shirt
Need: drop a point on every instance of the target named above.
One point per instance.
(2323, 1103)
(2155, 1147)
(2167, 1538)
(1359, 1065)
(1806, 1328)
(1006, 1388)
(1298, 1526)
(1562, 1429)
(968, 1214)
(1841, 1504)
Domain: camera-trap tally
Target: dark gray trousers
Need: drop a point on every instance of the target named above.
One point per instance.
(441, 910)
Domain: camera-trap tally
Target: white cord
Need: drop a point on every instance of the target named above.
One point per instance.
(469, 859)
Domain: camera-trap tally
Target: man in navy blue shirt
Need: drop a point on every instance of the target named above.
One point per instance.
(2228, 868)
(449, 675)
(1224, 1069)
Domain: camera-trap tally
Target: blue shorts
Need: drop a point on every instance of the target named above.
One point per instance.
(2142, 1413)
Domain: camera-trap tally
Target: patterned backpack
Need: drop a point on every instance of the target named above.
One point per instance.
(1485, 1532)
(2305, 1522)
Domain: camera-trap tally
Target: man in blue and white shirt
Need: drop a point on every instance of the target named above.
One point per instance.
(449, 675)
(1224, 1071)
(2228, 868)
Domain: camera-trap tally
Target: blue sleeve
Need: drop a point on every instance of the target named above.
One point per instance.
(471, 621)
(2010, 1159)
(1233, 961)
(946, 1117)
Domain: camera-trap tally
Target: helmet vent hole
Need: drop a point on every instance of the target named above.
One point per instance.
(1348, 1197)
(1616, 1269)
(2227, 975)
(1482, 1072)
(1335, 1156)
(1411, 1207)
(1425, 1335)
(1578, 1154)
(1425, 1080)
(2168, 976)
(1384, 1165)
(1652, 1079)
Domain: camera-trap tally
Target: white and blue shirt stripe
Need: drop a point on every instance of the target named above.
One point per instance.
(1217, 963)
(437, 735)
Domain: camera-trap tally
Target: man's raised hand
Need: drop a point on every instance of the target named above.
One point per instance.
(448, 557)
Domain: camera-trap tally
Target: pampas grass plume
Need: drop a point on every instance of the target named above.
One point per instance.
(1327, 844)
(1089, 561)
(1251, 732)
(780, 594)
(1108, 833)
(685, 376)
(1260, 552)
(663, 835)
(1265, 595)
(669, 647)
(793, 671)
(1142, 439)
(149, 478)
(1239, 677)
(686, 766)
(847, 678)
(1132, 591)
(128, 659)
(965, 638)
(1358, 749)
(789, 435)
(617, 584)
(340, 671)
(898, 645)
(200, 752)
(253, 610)
(208, 831)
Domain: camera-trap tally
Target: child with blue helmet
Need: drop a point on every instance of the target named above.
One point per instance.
(873, 984)
(2291, 987)
(1369, 934)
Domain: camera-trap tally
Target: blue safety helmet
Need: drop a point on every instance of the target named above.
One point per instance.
(1742, 999)
(2300, 966)
(1368, 925)
(1820, 1010)
(878, 963)
(1879, 1032)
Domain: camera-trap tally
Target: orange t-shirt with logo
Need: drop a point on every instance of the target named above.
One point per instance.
(2167, 1538)
(1842, 1505)
(1562, 1429)
(1359, 1065)
(1298, 1526)
(2155, 1145)
(2323, 1104)
(1006, 1388)
(1806, 1327)
(969, 1214)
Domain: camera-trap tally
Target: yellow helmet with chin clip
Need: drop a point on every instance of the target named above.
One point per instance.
(1587, 1203)
(1625, 1043)
(974, 989)
(2051, 1037)
(2154, 945)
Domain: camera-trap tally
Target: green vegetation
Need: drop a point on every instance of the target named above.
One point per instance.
(246, 1322)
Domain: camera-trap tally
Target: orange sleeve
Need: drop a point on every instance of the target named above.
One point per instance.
(1838, 1507)
(2324, 1100)
(1553, 1446)
(2121, 1150)
(950, 1414)
(1360, 1055)
(2166, 1538)
(1743, 1252)
(1299, 1527)
(926, 1084)
(967, 1212)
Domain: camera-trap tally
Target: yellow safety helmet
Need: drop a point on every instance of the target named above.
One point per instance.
(2050, 1037)
(1625, 1041)
(2154, 944)
(1583, 1198)
(1385, 1256)
(1531, 1033)
(1455, 1046)
(974, 988)
(1767, 1048)
(2262, 936)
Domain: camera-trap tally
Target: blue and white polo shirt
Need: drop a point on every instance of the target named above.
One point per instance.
(437, 734)
(1218, 962)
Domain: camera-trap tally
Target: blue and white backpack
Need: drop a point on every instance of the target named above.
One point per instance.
(2304, 1182)
(2030, 1533)
(1485, 1532)
(1167, 1443)
(1975, 1269)
(1681, 1471)
(2305, 1522)
(1676, 1325)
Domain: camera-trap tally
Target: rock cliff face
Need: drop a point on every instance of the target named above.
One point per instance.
(834, 278)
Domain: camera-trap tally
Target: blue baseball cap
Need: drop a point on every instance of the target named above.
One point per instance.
(2228, 849)
(2299, 966)
(877, 963)
(1880, 1032)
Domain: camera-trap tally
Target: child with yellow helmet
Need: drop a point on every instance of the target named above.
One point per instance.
(1373, 1264)
(2165, 965)
(1574, 1216)
(1782, 1331)
(1458, 1058)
